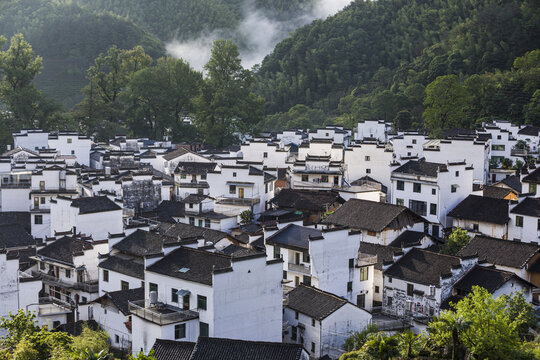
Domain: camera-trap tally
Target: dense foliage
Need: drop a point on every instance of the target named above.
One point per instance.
(377, 58)
(477, 327)
(69, 38)
(25, 340)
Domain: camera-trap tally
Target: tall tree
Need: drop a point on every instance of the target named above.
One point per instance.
(226, 105)
(446, 103)
(157, 98)
(27, 106)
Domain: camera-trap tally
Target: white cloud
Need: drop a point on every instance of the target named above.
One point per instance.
(258, 32)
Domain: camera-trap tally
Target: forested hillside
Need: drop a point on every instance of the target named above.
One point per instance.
(182, 19)
(375, 59)
(69, 38)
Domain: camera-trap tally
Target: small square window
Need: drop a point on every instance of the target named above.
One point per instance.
(68, 273)
(368, 171)
(400, 202)
(284, 275)
(124, 285)
(182, 176)
(410, 289)
(72, 152)
(207, 223)
(414, 141)
(232, 189)
(433, 191)
(364, 272)
(368, 158)
(174, 295)
(307, 280)
(351, 263)
(203, 177)
(312, 347)
(389, 279)
(377, 289)
(312, 322)
(453, 188)
(417, 187)
(457, 173)
(200, 223)
(191, 221)
(433, 209)
(179, 331)
(69, 141)
(38, 219)
(305, 178)
(42, 200)
(519, 221)
(190, 205)
(389, 301)
(116, 339)
(400, 185)
(201, 302)
(203, 329)
(106, 275)
(475, 227)
(265, 155)
(234, 174)
(349, 286)
(152, 287)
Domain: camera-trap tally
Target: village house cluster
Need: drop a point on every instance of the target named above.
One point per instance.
(283, 245)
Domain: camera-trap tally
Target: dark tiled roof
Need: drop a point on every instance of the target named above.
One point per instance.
(94, 204)
(195, 198)
(186, 231)
(14, 235)
(167, 209)
(228, 349)
(384, 253)
(486, 277)
(513, 182)
(63, 249)
(195, 168)
(423, 267)
(408, 238)
(528, 207)
(293, 236)
(421, 167)
(372, 216)
(311, 200)
(122, 297)
(533, 177)
(195, 265)
(480, 208)
(500, 252)
(129, 267)
(16, 217)
(237, 251)
(529, 130)
(141, 243)
(172, 350)
(175, 153)
(313, 302)
(496, 192)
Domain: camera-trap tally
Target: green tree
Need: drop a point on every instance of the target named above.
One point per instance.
(381, 346)
(358, 339)
(246, 217)
(141, 356)
(506, 163)
(483, 324)
(158, 97)
(446, 103)
(91, 341)
(456, 241)
(19, 66)
(226, 105)
(18, 326)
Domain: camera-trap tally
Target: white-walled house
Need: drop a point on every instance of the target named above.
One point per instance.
(502, 142)
(237, 188)
(321, 148)
(191, 293)
(111, 312)
(525, 221)
(530, 181)
(33, 139)
(15, 189)
(408, 144)
(418, 282)
(47, 184)
(81, 215)
(482, 215)
(321, 321)
(372, 129)
(168, 162)
(317, 173)
(199, 211)
(69, 269)
(71, 144)
(263, 151)
(371, 159)
(431, 189)
(378, 223)
(191, 178)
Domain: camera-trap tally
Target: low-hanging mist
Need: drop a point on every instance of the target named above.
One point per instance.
(257, 33)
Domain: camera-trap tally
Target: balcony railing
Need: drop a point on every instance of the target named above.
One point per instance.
(59, 302)
(87, 286)
(16, 185)
(301, 268)
(229, 200)
(161, 314)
